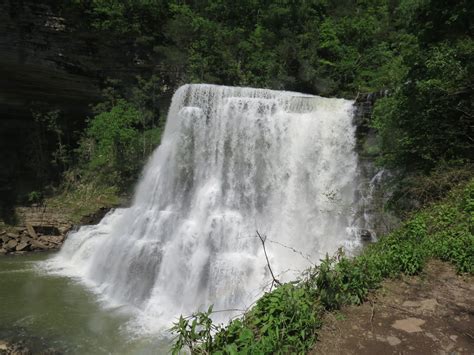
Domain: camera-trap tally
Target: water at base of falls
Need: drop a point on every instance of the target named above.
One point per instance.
(232, 161)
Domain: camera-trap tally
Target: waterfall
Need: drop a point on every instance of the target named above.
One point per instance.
(232, 161)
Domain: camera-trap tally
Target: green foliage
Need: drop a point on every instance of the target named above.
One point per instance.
(286, 320)
(283, 321)
(417, 189)
(195, 332)
(419, 50)
(78, 198)
(35, 197)
(122, 134)
(426, 119)
(115, 145)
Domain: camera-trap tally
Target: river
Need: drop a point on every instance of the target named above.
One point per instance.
(49, 311)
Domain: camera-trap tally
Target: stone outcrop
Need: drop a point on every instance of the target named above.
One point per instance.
(372, 219)
(41, 220)
(50, 59)
(21, 241)
(40, 229)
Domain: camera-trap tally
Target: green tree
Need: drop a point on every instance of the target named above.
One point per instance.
(113, 148)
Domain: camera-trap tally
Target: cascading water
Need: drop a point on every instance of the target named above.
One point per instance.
(232, 161)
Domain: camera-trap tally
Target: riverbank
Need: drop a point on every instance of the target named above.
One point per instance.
(8, 347)
(20, 240)
(44, 226)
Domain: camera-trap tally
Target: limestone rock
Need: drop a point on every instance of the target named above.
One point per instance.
(393, 341)
(36, 244)
(409, 325)
(54, 239)
(21, 246)
(11, 244)
(3, 345)
(12, 235)
(25, 239)
(31, 231)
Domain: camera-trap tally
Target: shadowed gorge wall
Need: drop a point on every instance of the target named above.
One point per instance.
(49, 61)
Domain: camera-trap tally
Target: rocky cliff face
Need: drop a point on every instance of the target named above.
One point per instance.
(40, 61)
(49, 59)
(374, 183)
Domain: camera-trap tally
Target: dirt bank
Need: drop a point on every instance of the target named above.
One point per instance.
(432, 313)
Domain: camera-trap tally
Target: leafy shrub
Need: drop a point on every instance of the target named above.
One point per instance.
(116, 144)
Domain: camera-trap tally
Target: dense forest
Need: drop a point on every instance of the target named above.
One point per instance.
(419, 53)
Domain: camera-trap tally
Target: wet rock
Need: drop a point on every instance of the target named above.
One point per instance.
(365, 235)
(18, 349)
(3, 345)
(65, 228)
(95, 217)
(3, 251)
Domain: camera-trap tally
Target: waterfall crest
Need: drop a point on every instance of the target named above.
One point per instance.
(232, 161)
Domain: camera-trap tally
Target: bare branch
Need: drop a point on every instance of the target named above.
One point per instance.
(263, 239)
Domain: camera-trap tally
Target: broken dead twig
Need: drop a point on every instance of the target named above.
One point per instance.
(275, 280)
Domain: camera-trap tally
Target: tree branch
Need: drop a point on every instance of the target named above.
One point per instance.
(275, 280)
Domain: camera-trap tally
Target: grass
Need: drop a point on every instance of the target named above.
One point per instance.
(287, 319)
(83, 200)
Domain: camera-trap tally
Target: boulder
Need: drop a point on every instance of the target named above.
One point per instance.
(12, 235)
(25, 239)
(3, 345)
(54, 239)
(65, 228)
(3, 251)
(21, 246)
(365, 235)
(31, 231)
(12, 243)
(36, 244)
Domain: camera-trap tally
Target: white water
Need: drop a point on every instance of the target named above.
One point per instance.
(232, 161)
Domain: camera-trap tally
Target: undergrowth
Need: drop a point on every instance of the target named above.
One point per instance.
(83, 199)
(287, 319)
